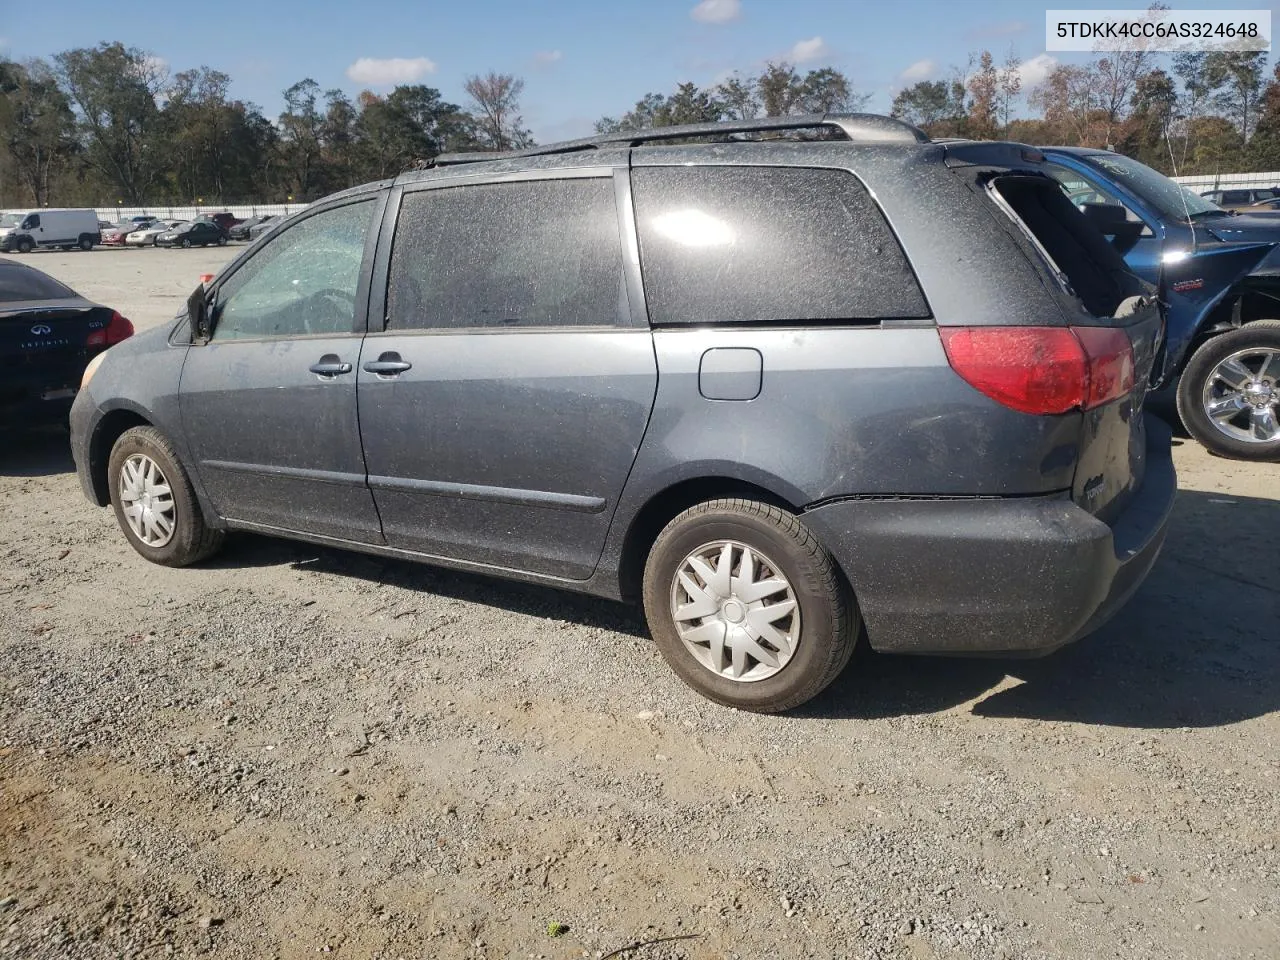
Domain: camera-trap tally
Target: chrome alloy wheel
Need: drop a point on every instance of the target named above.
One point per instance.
(735, 611)
(147, 500)
(1242, 395)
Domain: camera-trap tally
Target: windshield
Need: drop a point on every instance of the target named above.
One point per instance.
(1165, 196)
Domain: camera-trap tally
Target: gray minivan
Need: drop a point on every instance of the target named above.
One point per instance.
(790, 383)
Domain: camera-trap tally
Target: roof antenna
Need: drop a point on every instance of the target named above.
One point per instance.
(1182, 191)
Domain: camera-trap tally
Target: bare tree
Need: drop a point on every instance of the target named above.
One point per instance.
(983, 88)
(1008, 87)
(496, 99)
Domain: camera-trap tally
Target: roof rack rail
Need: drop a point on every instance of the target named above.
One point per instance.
(861, 127)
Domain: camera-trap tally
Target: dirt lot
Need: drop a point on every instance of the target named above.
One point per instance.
(293, 751)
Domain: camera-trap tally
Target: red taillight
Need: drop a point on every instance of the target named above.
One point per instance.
(1042, 370)
(1110, 363)
(117, 329)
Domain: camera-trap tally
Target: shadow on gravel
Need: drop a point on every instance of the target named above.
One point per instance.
(248, 550)
(40, 452)
(1198, 646)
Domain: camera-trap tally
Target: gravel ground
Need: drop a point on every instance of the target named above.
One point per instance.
(292, 751)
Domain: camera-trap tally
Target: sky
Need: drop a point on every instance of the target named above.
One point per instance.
(581, 59)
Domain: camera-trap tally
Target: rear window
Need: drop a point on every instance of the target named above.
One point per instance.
(1097, 273)
(19, 283)
(721, 244)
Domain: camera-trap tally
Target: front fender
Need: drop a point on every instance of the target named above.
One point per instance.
(1194, 287)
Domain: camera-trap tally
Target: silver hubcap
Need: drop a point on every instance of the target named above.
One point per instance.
(735, 611)
(1242, 395)
(147, 500)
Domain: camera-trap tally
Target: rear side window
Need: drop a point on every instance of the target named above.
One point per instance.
(534, 253)
(1235, 196)
(1094, 268)
(758, 244)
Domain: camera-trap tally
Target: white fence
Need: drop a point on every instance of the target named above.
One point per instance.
(112, 214)
(1229, 181)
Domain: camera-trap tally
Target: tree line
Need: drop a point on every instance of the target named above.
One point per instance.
(1188, 113)
(109, 124)
(106, 124)
(1208, 112)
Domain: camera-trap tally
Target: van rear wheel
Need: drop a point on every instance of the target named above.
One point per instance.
(86, 243)
(1229, 394)
(747, 607)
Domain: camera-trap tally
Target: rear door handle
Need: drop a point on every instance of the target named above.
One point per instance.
(330, 366)
(388, 364)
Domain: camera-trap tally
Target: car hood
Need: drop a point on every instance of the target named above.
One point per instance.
(1245, 228)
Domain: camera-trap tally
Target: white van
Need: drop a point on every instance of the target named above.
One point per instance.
(49, 228)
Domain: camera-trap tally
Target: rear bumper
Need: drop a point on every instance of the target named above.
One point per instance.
(999, 576)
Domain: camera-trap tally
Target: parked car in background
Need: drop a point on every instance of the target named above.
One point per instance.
(1219, 273)
(63, 229)
(726, 387)
(145, 236)
(1240, 198)
(225, 220)
(265, 225)
(241, 230)
(195, 233)
(115, 236)
(1263, 206)
(48, 334)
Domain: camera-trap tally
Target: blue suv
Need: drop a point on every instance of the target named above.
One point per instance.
(1218, 273)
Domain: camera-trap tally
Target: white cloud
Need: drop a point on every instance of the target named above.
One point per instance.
(920, 70)
(154, 66)
(544, 58)
(806, 51)
(389, 71)
(717, 11)
(1036, 70)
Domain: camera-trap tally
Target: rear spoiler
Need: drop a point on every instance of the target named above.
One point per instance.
(987, 153)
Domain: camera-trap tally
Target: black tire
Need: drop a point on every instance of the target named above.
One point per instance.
(86, 244)
(222, 241)
(26, 245)
(829, 620)
(193, 539)
(186, 243)
(1260, 334)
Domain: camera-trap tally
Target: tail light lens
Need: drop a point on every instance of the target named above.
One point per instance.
(118, 328)
(1042, 370)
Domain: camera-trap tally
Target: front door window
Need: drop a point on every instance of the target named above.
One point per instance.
(302, 283)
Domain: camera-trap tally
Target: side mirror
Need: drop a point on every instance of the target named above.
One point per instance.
(199, 315)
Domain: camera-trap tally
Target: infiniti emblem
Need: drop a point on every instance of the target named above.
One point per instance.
(42, 330)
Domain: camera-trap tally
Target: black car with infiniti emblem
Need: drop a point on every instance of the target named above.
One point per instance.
(48, 334)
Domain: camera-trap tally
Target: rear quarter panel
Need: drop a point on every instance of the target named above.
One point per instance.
(852, 411)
